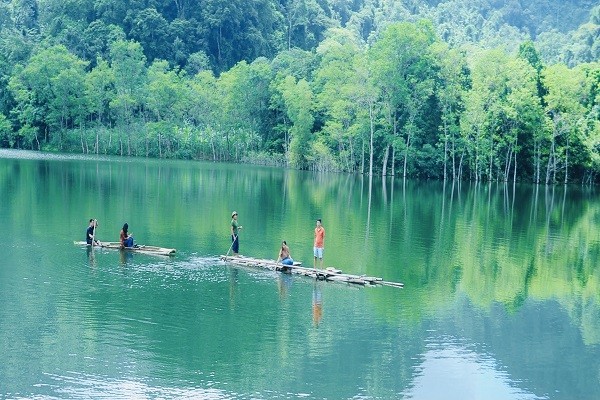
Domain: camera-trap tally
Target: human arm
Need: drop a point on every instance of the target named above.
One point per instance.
(282, 254)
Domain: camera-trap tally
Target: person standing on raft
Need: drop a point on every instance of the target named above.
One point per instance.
(318, 244)
(235, 230)
(90, 234)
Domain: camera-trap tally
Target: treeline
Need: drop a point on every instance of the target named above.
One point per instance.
(403, 102)
(217, 34)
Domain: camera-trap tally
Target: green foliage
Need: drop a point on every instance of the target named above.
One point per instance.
(49, 91)
(402, 65)
(231, 31)
(6, 132)
(151, 31)
(128, 64)
(323, 84)
(298, 100)
(100, 91)
(97, 38)
(565, 106)
(336, 92)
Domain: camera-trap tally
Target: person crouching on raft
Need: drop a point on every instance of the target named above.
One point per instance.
(284, 254)
(125, 238)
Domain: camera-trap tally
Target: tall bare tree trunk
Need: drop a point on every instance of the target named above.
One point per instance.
(372, 123)
(454, 177)
(550, 165)
(567, 161)
(386, 155)
(406, 156)
(393, 160)
(445, 152)
(515, 173)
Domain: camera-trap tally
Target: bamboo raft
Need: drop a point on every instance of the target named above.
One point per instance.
(327, 274)
(145, 249)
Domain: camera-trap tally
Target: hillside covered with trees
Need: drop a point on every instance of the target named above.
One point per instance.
(482, 90)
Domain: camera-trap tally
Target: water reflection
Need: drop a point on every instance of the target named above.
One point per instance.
(317, 304)
(284, 283)
(511, 271)
(448, 372)
(233, 286)
(91, 256)
(88, 386)
(125, 257)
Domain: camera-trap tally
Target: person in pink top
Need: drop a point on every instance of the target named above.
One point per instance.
(319, 241)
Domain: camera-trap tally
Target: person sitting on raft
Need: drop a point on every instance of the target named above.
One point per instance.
(284, 254)
(125, 238)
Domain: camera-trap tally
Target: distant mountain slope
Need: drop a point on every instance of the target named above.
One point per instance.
(216, 34)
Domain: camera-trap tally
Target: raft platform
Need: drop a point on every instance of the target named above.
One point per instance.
(145, 249)
(328, 274)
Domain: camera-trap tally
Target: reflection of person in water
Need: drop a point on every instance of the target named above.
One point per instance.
(125, 256)
(284, 282)
(91, 257)
(317, 305)
(233, 283)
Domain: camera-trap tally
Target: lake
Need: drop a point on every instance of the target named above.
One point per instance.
(501, 296)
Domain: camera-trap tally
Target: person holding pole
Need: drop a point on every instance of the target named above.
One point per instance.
(284, 255)
(90, 235)
(235, 230)
(318, 244)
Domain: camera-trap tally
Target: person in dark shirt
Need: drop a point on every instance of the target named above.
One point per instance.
(235, 231)
(90, 235)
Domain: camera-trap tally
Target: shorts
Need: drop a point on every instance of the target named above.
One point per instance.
(318, 251)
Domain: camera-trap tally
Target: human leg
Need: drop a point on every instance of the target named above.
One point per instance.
(235, 247)
(320, 255)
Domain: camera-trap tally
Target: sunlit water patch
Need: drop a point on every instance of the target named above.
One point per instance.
(451, 370)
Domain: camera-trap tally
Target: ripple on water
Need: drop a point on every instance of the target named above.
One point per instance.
(82, 386)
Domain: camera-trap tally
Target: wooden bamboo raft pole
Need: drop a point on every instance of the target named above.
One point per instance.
(327, 274)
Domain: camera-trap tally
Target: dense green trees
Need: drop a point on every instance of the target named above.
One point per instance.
(138, 78)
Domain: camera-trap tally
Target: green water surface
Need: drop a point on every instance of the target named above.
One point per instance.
(502, 295)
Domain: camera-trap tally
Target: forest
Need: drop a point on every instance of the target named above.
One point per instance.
(482, 90)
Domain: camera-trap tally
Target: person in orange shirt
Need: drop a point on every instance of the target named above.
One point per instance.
(318, 245)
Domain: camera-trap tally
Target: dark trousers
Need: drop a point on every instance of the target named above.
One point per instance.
(235, 247)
